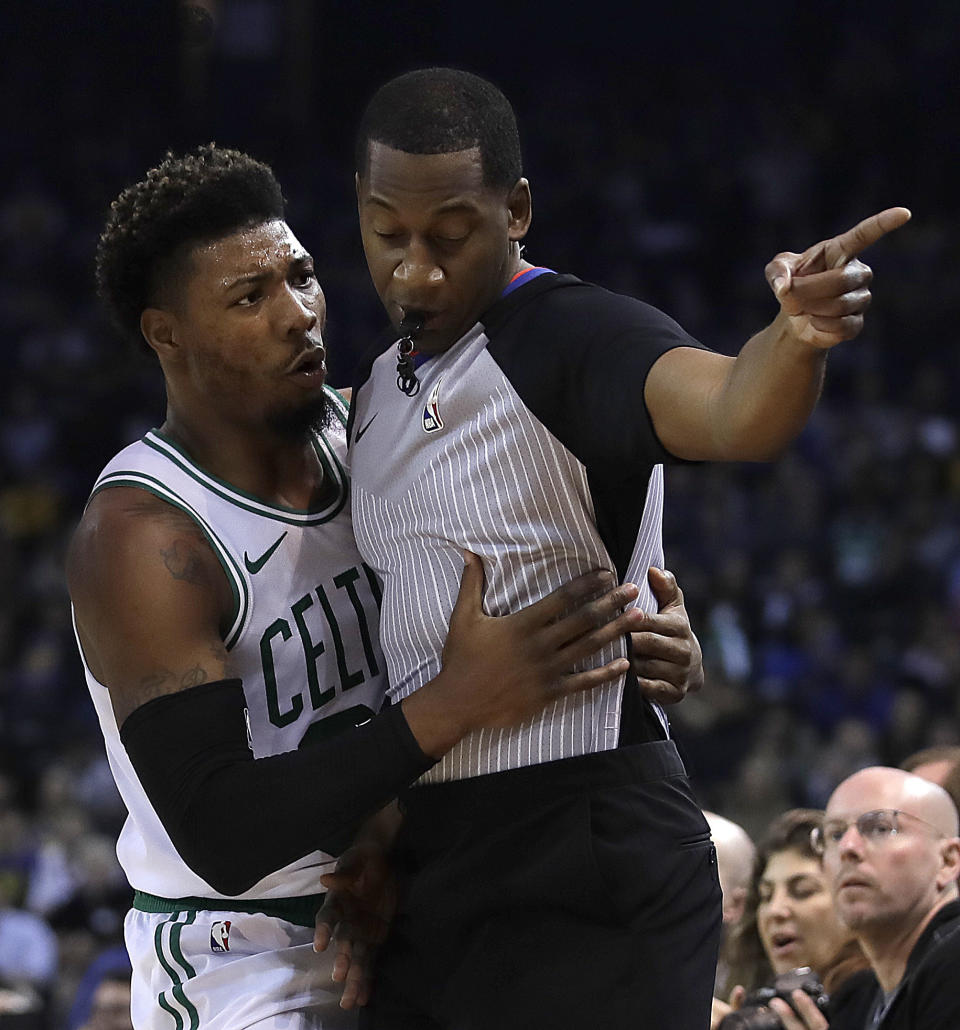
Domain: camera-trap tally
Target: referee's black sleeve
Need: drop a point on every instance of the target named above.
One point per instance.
(579, 355)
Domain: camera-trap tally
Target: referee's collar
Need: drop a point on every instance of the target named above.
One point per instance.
(511, 299)
(539, 281)
(524, 276)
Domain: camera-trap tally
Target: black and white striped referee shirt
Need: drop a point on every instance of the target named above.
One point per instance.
(530, 445)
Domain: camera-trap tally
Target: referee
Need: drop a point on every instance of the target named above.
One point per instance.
(559, 874)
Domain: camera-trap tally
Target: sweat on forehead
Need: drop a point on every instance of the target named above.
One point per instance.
(883, 787)
(245, 247)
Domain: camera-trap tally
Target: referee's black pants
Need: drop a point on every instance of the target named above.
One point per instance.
(579, 893)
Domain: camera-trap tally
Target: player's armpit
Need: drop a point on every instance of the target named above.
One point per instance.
(150, 598)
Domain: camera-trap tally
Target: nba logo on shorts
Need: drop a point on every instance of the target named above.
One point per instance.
(432, 422)
(220, 935)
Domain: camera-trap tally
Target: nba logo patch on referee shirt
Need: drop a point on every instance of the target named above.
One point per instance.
(220, 935)
(432, 422)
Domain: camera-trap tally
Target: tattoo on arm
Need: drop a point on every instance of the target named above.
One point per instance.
(165, 681)
(156, 683)
(182, 562)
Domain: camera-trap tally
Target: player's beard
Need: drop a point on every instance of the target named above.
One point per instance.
(300, 423)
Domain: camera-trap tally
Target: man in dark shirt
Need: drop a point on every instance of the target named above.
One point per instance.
(891, 852)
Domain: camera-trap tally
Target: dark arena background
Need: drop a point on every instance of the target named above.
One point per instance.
(672, 151)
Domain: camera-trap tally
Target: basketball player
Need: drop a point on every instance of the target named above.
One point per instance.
(228, 625)
(559, 873)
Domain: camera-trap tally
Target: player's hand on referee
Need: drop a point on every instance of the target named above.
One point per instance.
(825, 291)
(667, 659)
(503, 671)
(356, 914)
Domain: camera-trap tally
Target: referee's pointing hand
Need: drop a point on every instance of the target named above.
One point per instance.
(825, 291)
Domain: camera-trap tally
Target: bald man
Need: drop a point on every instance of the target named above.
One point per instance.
(891, 854)
(735, 857)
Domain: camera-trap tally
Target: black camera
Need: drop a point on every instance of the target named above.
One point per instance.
(755, 1013)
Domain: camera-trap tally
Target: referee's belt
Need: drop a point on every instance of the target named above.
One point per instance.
(300, 911)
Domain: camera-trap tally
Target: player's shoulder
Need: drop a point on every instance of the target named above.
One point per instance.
(129, 511)
(121, 531)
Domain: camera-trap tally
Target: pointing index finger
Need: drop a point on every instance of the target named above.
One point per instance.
(850, 243)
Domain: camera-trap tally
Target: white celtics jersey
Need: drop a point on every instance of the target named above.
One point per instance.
(303, 638)
(528, 444)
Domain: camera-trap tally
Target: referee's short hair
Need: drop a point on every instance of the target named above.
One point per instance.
(441, 111)
(153, 225)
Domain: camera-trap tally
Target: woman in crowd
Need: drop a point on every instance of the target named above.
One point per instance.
(789, 920)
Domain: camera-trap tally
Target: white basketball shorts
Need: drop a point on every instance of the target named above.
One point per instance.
(200, 970)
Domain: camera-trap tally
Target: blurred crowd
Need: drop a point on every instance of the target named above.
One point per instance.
(825, 588)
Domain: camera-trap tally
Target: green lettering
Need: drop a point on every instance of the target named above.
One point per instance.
(346, 581)
(311, 652)
(347, 679)
(280, 627)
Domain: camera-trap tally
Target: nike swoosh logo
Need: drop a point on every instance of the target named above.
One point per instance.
(253, 567)
(365, 427)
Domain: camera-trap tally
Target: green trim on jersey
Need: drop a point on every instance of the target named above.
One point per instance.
(238, 585)
(340, 406)
(300, 911)
(332, 468)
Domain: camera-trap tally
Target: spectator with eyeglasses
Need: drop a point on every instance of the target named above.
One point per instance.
(891, 855)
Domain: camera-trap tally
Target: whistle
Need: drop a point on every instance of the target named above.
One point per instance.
(411, 325)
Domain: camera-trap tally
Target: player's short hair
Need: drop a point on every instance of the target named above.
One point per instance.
(182, 202)
(441, 111)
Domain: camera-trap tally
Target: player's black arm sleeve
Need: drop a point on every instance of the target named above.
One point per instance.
(233, 818)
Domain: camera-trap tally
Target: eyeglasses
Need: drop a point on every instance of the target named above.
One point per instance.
(876, 828)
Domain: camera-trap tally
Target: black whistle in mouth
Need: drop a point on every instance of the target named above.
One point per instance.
(411, 325)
